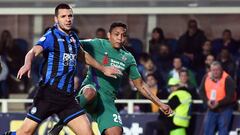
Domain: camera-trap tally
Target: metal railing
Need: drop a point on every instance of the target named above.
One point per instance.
(130, 103)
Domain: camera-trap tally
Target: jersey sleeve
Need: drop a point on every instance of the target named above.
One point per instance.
(90, 45)
(133, 70)
(46, 41)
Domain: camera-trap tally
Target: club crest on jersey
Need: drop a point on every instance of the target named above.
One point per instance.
(70, 48)
(124, 58)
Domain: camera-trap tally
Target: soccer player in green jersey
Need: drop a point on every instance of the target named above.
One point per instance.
(98, 92)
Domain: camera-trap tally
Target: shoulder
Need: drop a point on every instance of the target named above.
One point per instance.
(47, 35)
(91, 41)
(230, 79)
(127, 53)
(46, 39)
(75, 35)
(128, 57)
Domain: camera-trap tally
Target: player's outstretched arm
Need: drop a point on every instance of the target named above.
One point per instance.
(143, 88)
(109, 71)
(26, 68)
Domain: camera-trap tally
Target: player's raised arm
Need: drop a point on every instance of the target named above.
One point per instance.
(26, 68)
(143, 88)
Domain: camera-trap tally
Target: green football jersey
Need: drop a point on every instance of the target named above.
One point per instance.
(104, 53)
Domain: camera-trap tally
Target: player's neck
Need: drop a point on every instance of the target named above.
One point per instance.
(64, 31)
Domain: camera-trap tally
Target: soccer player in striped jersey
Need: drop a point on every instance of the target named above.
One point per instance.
(61, 48)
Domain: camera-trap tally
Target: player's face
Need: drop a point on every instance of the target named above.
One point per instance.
(117, 37)
(64, 19)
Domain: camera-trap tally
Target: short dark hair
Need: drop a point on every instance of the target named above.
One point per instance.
(144, 57)
(184, 70)
(151, 74)
(101, 30)
(192, 21)
(227, 31)
(159, 31)
(178, 57)
(117, 24)
(61, 6)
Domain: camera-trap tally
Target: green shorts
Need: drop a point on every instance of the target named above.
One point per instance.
(103, 110)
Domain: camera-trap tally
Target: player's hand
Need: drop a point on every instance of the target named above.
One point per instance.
(24, 69)
(111, 71)
(166, 110)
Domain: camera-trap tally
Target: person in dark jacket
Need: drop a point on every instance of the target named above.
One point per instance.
(190, 43)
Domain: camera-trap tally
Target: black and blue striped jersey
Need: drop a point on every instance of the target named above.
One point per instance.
(60, 53)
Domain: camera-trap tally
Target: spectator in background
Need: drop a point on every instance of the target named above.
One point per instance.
(134, 46)
(207, 48)
(164, 60)
(101, 33)
(157, 38)
(210, 58)
(185, 82)
(142, 58)
(218, 93)
(190, 43)
(128, 46)
(228, 64)
(226, 41)
(201, 69)
(151, 68)
(152, 83)
(3, 77)
(177, 67)
(14, 59)
(205, 51)
(180, 101)
(6, 42)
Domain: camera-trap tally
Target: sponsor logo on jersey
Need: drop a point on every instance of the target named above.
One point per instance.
(69, 59)
(118, 64)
